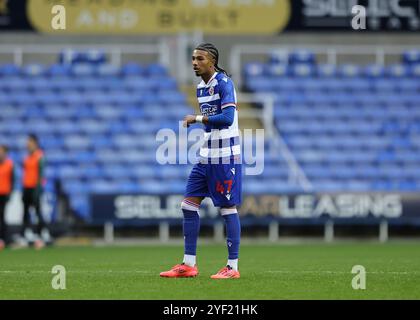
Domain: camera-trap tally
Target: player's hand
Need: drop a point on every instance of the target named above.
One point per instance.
(188, 120)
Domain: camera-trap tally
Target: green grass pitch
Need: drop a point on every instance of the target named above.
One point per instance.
(312, 271)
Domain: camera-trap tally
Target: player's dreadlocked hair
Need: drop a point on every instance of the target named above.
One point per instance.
(212, 50)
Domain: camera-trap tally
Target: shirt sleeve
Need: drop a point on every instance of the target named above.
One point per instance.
(223, 119)
(227, 93)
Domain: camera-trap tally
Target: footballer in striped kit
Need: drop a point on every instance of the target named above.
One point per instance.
(218, 173)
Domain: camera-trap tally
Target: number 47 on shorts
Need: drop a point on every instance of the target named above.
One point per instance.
(221, 187)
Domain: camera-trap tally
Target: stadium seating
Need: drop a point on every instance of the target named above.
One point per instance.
(350, 127)
(97, 124)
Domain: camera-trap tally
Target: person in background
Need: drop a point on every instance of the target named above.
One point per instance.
(7, 179)
(33, 185)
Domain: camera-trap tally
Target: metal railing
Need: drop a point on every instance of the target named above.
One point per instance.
(266, 116)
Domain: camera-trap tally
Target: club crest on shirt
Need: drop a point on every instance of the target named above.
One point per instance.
(211, 91)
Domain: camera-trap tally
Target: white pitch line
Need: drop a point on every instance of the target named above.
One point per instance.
(268, 271)
(340, 272)
(79, 271)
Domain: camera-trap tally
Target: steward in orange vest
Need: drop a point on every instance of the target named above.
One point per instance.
(33, 185)
(7, 179)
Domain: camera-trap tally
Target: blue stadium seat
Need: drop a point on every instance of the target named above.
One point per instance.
(411, 56)
(116, 172)
(76, 187)
(156, 69)
(99, 139)
(11, 112)
(132, 68)
(357, 185)
(128, 186)
(92, 56)
(95, 56)
(83, 156)
(173, 97)
(167, 84)
(327, 185)
(278, 56)
(15, 127)
(9, 70)
(13, 83)
(407, 86)
(54, 112)
(89, 84)
(107, 112)
(176, 186)
(349, 70)
(137, 83)
(40, 84)
(384, 85)
(374, 71)
(261, 84)
(303, 70)
(253, 187)
(83, 70)
(302, 56)
(64, 83)
(58, 157)
(415, 70)
(326, 70)
(91, 127)
(77, 142)
(169, 172)
(397, 71)
(254, 69)
(57, 70)
(278, 70)
(102, 186)
(153, 187)
(90, 171)
(108, 70)
(69, 172)
(80, 204)
(33, 70)
(143, 172)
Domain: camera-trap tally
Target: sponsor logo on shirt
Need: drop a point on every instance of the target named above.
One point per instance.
(208, 109)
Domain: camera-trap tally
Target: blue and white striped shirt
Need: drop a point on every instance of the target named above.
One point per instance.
(217, 94)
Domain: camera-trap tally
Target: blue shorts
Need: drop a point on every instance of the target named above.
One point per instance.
(221, 182)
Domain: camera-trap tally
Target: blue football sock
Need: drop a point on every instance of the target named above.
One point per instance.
(191, 228)
(233, 230)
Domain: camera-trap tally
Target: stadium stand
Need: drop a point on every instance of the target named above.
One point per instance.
(97, 124)
(350, 127)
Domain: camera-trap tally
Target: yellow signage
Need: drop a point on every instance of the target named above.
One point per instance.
(3, 7)
(163, 16)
